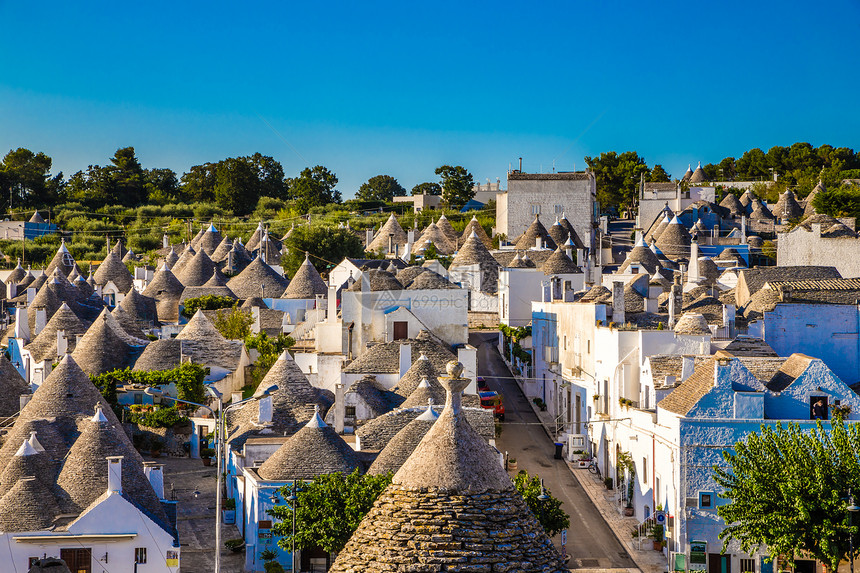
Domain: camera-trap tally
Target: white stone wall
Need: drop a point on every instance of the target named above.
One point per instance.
(573, 193)
(804, 248)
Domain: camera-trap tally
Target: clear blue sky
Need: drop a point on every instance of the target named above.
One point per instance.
(399, 88)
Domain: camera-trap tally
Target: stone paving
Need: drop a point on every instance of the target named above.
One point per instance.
(196, 517)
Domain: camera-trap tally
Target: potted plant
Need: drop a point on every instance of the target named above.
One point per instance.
(229, 512)
(206, 454)
(657, 532)
(607, 481)
(235, 545)
(512, 463)
(155, 447)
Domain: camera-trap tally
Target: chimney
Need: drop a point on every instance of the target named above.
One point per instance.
(165, 241)
(264, 415)
(235, 397)
(785, 293)
(618, 303)
(405, 358)
(31, 294)
(638, 235)
(410, 240)
(339, 408)
(743, 229)
(390, 243)
(368, 237)
(729, 318)
(11, 291)
(331, 304)
(556, 288)
(255, 314)
(675, 303)
(521, 165)
(62, 343)
(231, 261)
(688, 363)
(538, 242)
(155, 473)
(115, 474)
(22, 324)
(816, 230)
(693, 274)
(24, 399)
(41, 320)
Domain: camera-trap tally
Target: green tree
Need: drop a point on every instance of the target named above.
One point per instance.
(787, 489)
(659, 175)
(313, 188)
(457, 185)
(270, 175)
(752, 165)
(328, 246)
(234, 324)
(162, 186)
(206, 302)
(548, 512)
(617, 176)
(427, 188)
(198, 184)
(129, 180)
(26, 177)
(380, 188)
(237, 188)
(328, 510)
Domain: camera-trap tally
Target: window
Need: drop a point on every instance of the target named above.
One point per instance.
(706, 500)
(645, 471)
(140, 554)
(747, 565)
(565, 342)
(535, 209)
(588, 346)
(349, 412)
(558, 209)
(818, 408)
(401, 329)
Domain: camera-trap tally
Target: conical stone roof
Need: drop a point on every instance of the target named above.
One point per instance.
(559, 263)
(474, 252)
(140, 308)
(447, 229)
(380, 240)
(809, 208)
(306, 283)
(183, 259)
(571, 233)
(196, 271)
(436, 237)
(254, 240)
(661, 226)
(698, 175)
(200, 328)
(258, 274)
(12, 385)
(421, 369)
(675, 240)
(314, 450)
(733, 204)
(220, 253)
(209, 240)
(119, 249)
(28, 461)
(528, 240)
(642, 256)
(107, 346)
(237, 260)
(558, 233)
(62, 260)
(787, 207)
(17, 274)
(28, 506)
(113, 269)
(452, 478)
(473, 226)
(166, 289)
(688, 173)
(404, 442)
(44, 346)
(171, 257)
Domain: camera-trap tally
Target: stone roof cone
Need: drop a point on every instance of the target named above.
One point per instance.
(809, 208)
(698, 175)
(166, 289)
(475, 226)
(171, 257)
(380, 241)
(404, 442)
(209, 240)
(528, 239)
(183, 259)
(445, 226)
(474, 252)
(247, 283)
(306, 283)
(113, 269)
(453, 477)
(196, 271)
(62, 260)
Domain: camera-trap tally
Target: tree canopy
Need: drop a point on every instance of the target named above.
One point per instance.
(427, 188)
(380, 188)
(787, 488)
(26, 177)
(328, 510)
(548, 512)
(457, 185)
(328, 245)
(313, 188)
(618, 176)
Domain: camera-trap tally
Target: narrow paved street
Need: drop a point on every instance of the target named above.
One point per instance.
(590, 541)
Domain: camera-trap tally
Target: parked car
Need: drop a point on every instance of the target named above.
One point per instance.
(482, 384)
(493, 401)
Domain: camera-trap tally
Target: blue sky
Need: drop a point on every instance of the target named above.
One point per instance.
(399, 88)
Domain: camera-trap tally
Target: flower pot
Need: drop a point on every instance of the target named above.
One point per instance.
(207, 461)
(628, 511)
(582, 464)
(658, 546)
(512, 465)
(228, 516)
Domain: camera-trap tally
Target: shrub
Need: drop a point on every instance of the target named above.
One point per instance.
(160, 418)
(206, 302)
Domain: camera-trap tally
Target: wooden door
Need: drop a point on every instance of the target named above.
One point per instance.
(401, 330)
(78, 560)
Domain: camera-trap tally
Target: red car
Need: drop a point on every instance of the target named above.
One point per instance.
(493, 401)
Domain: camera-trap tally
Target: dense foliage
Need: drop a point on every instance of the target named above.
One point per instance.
(328, 247)
(328, 510)
(787, 489)
(155, 417)
(547, 511)
(270, 349)
(234, 324)
(188, 378)
(206, 302)
(380, 188)
(457, 185)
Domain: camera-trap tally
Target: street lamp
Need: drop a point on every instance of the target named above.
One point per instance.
(219, 436)
(852, 509)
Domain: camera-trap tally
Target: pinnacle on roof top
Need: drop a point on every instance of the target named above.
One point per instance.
(316, 420)
(429, 415)
(26, 449)
(34, 442)
(99, 416)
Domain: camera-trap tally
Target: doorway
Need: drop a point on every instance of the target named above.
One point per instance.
(401, 330)
(719, 563)
(78, 560)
